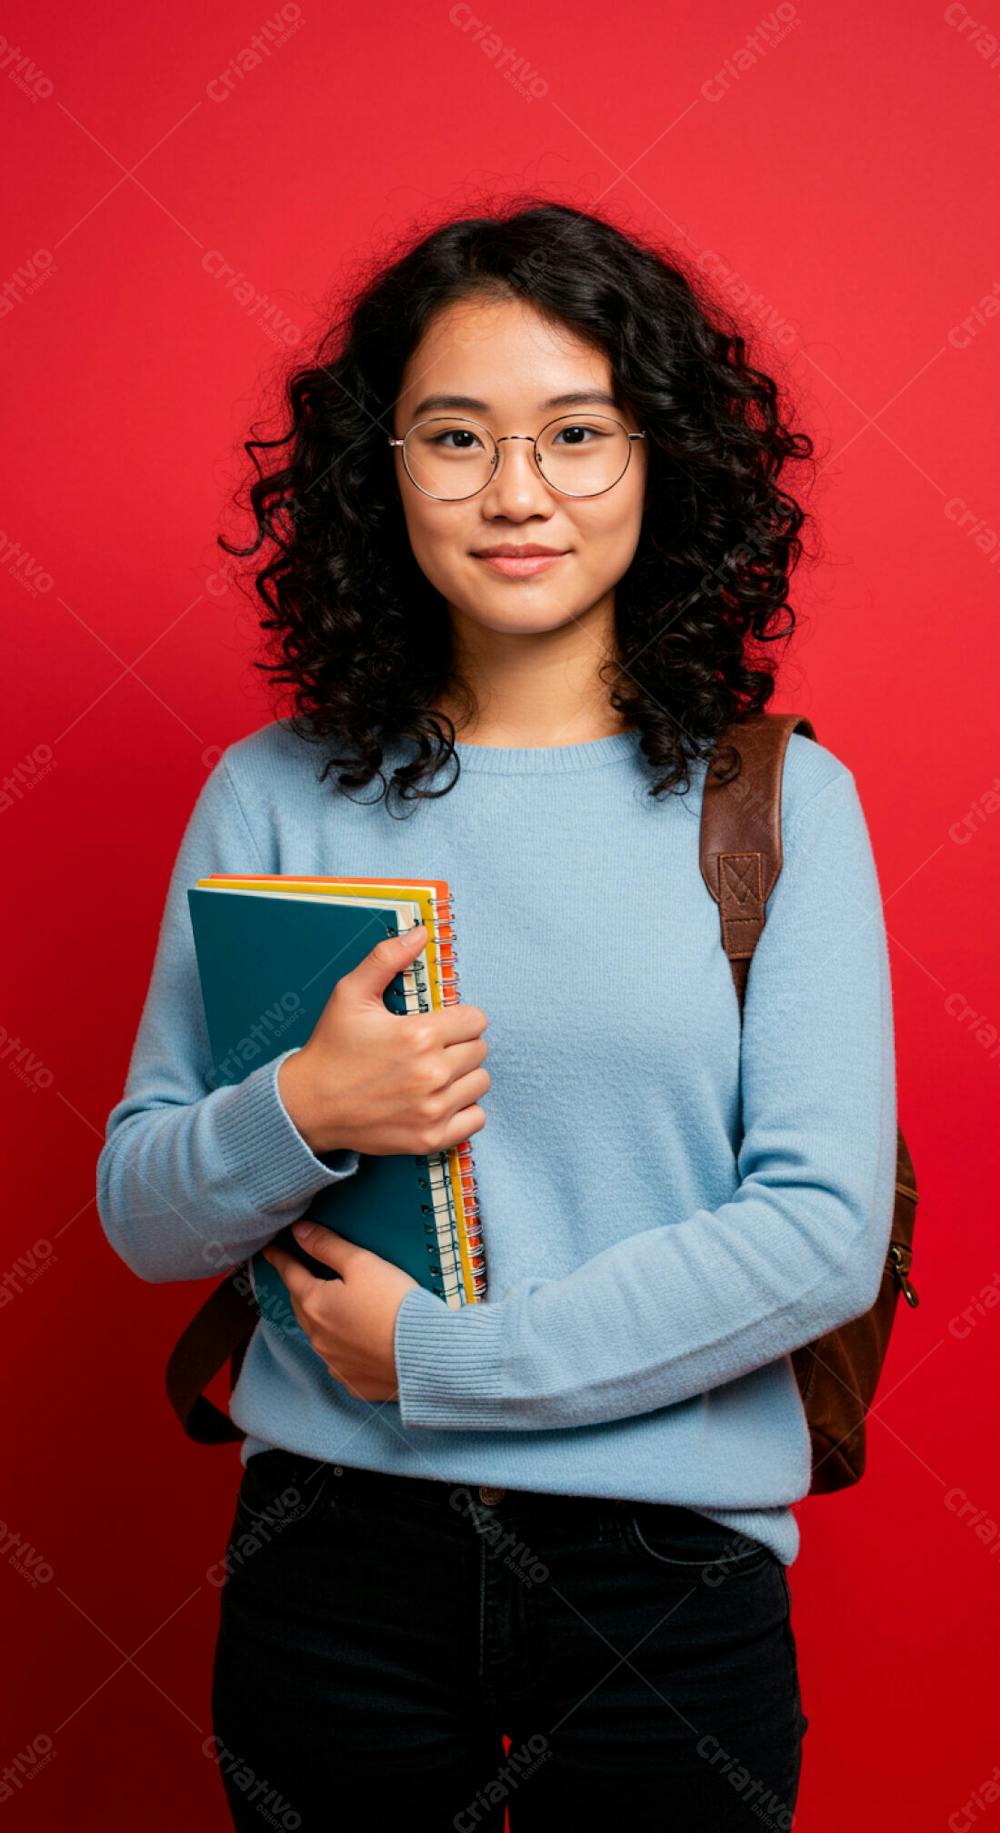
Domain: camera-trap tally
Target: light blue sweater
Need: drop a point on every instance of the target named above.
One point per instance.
(652, 1262)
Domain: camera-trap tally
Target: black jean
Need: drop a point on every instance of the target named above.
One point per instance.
(381, 1636)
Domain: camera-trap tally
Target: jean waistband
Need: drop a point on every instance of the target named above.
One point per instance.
(360, 1481)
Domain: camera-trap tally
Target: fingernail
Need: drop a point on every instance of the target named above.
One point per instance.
(302, 1230)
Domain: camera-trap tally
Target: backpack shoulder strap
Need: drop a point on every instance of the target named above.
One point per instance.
(741, 831)
(218, 1333)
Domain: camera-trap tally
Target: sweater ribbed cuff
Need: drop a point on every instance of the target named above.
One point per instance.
(263, 1148)
(447, 1362)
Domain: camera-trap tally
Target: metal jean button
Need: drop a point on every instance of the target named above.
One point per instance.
(490, 1496)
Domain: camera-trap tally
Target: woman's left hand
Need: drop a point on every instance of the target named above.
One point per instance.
(350, 1321)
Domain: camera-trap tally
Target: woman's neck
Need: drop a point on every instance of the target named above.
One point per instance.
(534, 690)
(577, 728)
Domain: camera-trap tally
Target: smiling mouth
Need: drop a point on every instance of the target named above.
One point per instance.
(519, 566)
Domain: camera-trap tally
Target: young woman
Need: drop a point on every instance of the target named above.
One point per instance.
(525, 547)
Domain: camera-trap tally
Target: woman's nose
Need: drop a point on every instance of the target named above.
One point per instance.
(516, 484)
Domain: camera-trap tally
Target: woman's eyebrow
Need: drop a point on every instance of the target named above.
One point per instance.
(580, 398)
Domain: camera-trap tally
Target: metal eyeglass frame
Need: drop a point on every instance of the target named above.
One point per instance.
(497, 443)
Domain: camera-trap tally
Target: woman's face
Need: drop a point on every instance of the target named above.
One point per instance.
(509, 364)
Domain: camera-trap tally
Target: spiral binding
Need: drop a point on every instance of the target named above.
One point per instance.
(450, 1225)
(471, 1220)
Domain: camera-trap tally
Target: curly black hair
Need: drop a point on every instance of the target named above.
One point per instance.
(363, 639)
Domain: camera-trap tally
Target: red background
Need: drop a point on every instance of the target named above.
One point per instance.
(836, 184)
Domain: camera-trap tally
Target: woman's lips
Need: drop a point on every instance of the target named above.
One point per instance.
(514, 567)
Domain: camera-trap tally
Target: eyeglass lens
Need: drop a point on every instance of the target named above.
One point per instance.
(451, 457)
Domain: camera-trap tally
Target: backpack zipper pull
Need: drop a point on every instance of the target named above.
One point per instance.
(896, 1255)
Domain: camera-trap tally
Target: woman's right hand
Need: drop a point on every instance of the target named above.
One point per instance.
(371, 1080)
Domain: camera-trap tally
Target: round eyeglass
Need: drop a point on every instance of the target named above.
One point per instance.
(441, 471)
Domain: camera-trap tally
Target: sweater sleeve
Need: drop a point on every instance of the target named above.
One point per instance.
(194, 1178)
(673, 1311)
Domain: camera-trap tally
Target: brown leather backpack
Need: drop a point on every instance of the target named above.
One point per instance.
(740, 861)
(838, 1374)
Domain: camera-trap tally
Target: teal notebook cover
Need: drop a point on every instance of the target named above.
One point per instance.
(268, 965)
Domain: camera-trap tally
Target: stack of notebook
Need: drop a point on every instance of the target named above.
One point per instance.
(270, 950)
